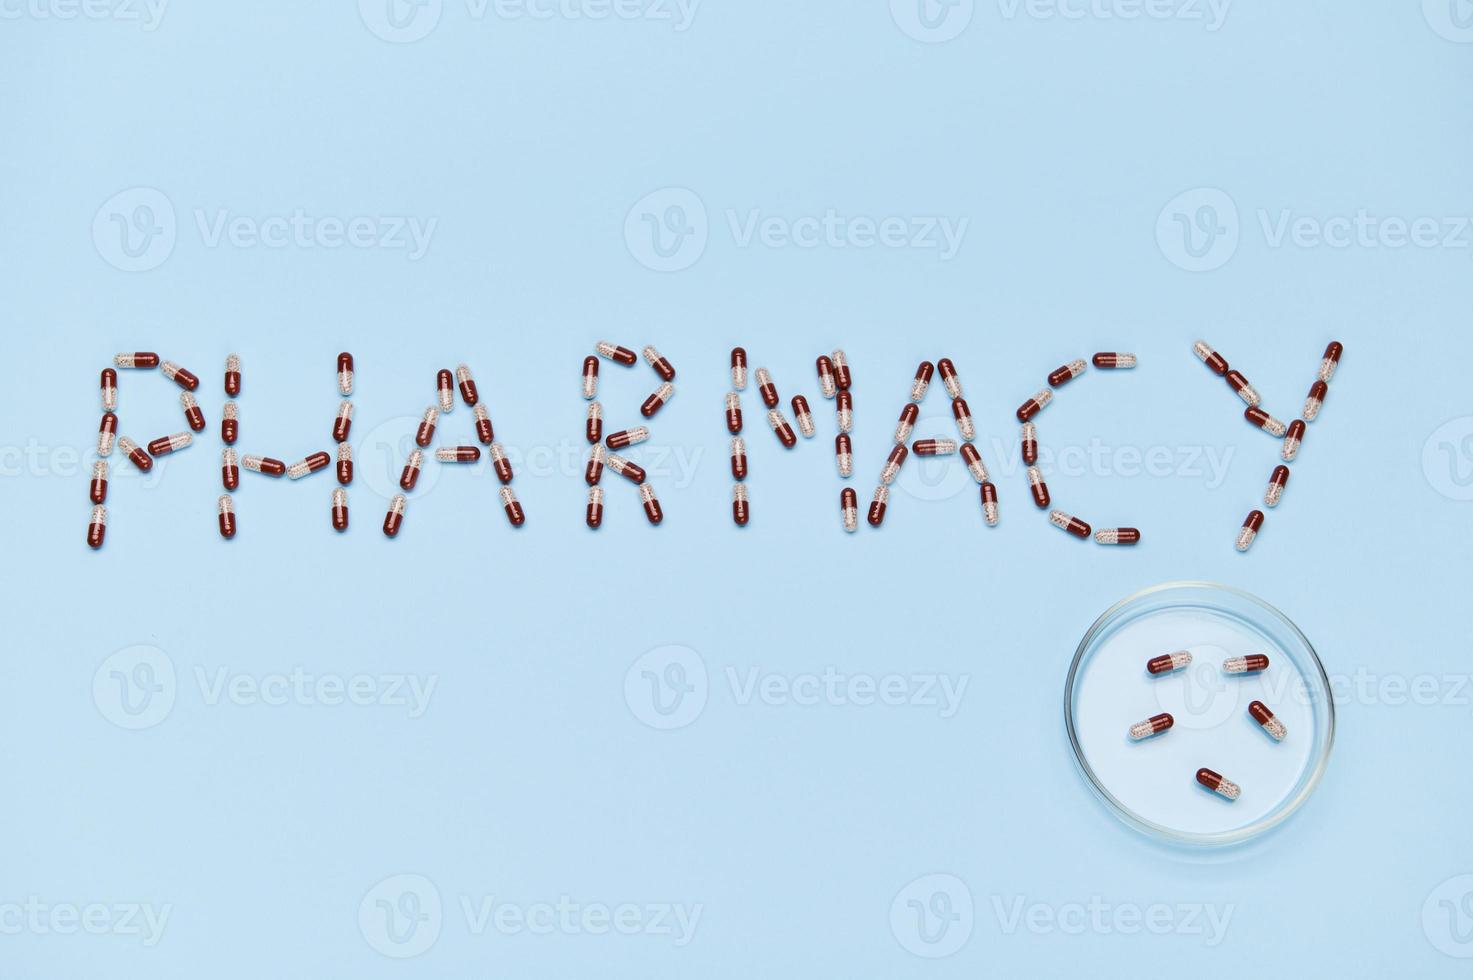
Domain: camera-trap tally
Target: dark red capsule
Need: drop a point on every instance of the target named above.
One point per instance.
(657, 400)
(484, 432)
(1211, 358)
(1030, 443)
(135, 454)
(140, 359)
(468, 393)
(827, 385)
(615, 353)
(657, 361)
(339, 509)
(594, 515)
(97, 489)
(394, 519)
(1038, 488)
(738, 458)
(922, 381)
(766, 388)
(229, 424)
(109, 386)
(193, 417)
(842, 378)
(229, 469)
(733, 413)
(345, 464)
(741, 512)
(409, 476)
(425, 434)
(97, 527)
(593, 427)
(590, 377)
(513, 507)
(499, 462)
(181, 377)
(445, 389)
(1065, 374)
(342, 425)
(651, 503)
(594, 471)
(949, 377)
(232, 375)
(227, 517)
(878, 506)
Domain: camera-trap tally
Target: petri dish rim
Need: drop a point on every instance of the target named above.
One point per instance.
(1287, 808)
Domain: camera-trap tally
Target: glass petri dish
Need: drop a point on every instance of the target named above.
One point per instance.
(1151, 784)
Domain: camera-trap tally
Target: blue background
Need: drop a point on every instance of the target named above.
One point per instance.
(531, 775)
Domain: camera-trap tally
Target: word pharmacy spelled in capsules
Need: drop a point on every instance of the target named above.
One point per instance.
(634, 421)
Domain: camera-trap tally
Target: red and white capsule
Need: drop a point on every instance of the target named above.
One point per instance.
(933, 447)
(893, 463)
(345, 464)
(445, 390)
(97, 527)
(139, 360)
(1259, 712)
(1118, 536)
(1276, 483)
(264, 465)
(922, 381)
(844, 411)
(343, 424)
(1245, 391)
(1029, 443)
(409, 476)
(1219, 784)
(345, 374)
(627, 437)
(739, 368)
(484, 431)
(849, 509)
(1070, 523)
(425, 434)
(181, 377)
(1168, 663)
(908, 416)
(1063, 375)
(1293, 439)
(632, 472)
(827, 386)
(738, 458)
(193, 417)
(842, 378)
(878, 506)
(652, 509)
(458, 454)
(106, 433)
(963, 415)
(109, 386)
(949, 377)
(227, 517)
(1331, 360)
(594, 471)
(512, 507)
(1038, 488)
(394, 519)
(1315, 400)
(500, 463)
(989, 503)
(97, 489)
(973, 459)
(467, 383)
(661, 365)
(232, 375)
(593, 515)
(590, 377)
(1253, 663)
(657, 400)
(308, 465)
(229, 469)
(1154, 725)
(844, 455)
(1211, 358)
(615, 353)
(339, 509)
(1035, 404)
(766, 388)
(740, 509)
(230, 423)
(781, 428)
(1113, 361)
(164, 445)
(593, 427)
(135, 454)
(733, 413)
(1249, 531)
(803, 415)
(1265, 421)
